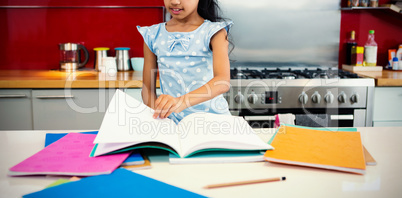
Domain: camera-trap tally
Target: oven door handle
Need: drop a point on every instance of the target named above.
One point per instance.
(259, 118)
(341, 117)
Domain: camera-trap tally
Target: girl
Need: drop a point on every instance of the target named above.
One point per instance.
(190, 52)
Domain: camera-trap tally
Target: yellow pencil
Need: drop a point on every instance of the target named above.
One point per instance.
(245, 182)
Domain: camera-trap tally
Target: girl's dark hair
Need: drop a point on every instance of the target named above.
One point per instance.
(209, 9)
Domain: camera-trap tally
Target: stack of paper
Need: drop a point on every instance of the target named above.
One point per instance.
(134, 161)
(137, 166)
(335, 150)
(68, 156)
(135, 158)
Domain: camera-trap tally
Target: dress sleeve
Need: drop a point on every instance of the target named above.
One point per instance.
(148, 35)
(215, 27)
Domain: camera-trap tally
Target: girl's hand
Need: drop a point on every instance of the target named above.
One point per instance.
(166, 104)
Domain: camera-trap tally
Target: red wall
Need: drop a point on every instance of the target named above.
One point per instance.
(30, 31)
(387, 25)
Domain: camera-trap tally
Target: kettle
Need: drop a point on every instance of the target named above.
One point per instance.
(70, 59)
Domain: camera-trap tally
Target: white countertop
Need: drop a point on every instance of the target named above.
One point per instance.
(382, 180)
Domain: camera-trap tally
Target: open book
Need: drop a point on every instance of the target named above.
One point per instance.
(128, 124)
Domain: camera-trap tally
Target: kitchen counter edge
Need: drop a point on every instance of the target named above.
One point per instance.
(384, 78)
(48, 79)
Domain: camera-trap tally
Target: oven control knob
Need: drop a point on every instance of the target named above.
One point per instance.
(252, 98)
(355, 98)
(329, 97)
(342, 97)
(316, 97)
(239, 98)
(303, 98)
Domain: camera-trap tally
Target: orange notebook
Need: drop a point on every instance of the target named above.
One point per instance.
(335, 150)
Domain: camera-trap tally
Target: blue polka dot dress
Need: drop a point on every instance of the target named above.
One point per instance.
(185, 63)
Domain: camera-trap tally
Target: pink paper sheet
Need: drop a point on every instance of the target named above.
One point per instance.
(69, 156)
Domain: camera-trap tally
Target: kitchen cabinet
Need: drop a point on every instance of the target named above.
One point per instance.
(15, 109)
(40, 99)
(387, 106)
(81, 109)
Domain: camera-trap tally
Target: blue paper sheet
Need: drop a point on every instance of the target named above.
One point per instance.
(120, 183)
(53, 137)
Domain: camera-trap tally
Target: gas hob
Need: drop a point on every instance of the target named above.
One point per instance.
(289, 73)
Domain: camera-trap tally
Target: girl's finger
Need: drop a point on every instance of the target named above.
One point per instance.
(167, 109)
(159, 99)
(171, 109)
(159, 106)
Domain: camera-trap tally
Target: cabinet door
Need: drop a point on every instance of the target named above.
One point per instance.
(388, 104)
(387, 124)
(15, 109)
(70, 109)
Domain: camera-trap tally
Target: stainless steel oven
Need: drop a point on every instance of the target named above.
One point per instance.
(319, 97)
(285, 60)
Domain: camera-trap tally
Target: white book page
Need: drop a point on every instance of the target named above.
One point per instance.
(217, 159)
(205, 130)
(130, 122)
(104, 148)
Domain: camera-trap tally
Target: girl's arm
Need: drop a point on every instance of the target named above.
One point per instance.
(219, 84)
(149, 78)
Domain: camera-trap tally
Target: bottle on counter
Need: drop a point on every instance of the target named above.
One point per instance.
(353, 3)
(374, 3)
(364, 3)
(349, 45)
(357, 56)
(399, 56)
(370, 50)
(395, 63)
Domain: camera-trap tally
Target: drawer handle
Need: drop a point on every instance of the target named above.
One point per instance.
(55, 97)
(14, 96)
(341, 117)
(259, 118)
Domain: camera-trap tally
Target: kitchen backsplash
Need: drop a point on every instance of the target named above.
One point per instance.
(31, 30)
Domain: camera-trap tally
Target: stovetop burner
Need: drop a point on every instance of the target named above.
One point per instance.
(289, 73)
